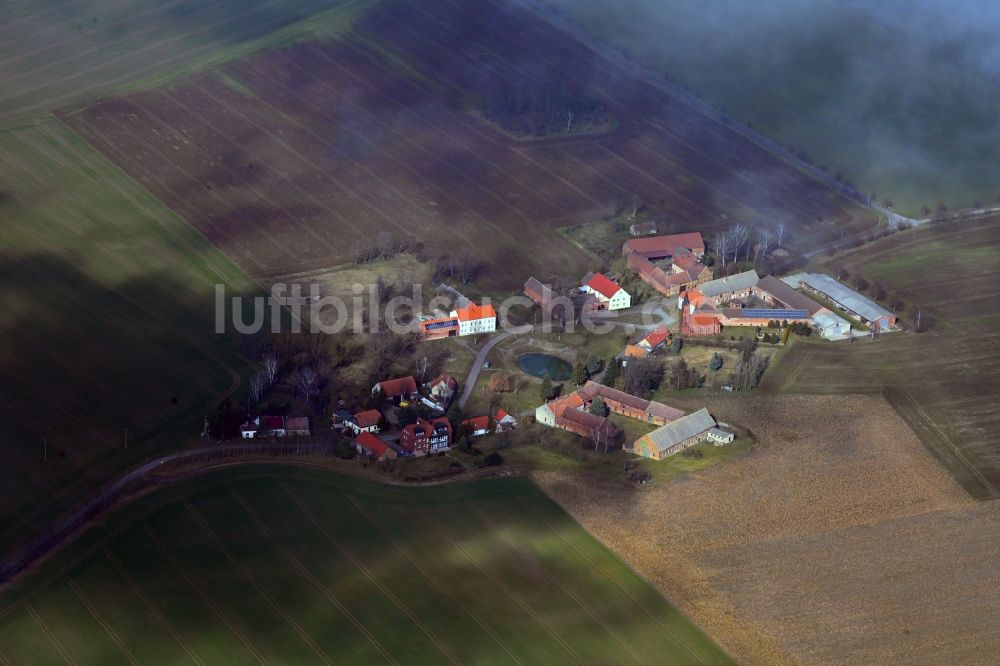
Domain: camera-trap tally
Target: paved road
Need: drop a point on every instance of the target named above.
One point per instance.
(477, 364)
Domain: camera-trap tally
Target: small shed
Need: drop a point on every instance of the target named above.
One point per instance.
(718, 436)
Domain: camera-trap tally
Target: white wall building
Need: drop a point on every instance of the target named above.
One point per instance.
(609, 293)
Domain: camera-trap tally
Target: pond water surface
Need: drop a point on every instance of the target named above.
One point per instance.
(545, 365)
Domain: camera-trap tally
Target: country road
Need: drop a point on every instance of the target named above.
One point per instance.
(477, 364)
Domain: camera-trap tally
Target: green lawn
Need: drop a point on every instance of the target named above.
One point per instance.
(108, 301)
(279, 564)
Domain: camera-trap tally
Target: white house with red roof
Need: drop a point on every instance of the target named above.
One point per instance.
(474, 319)
(608, 292)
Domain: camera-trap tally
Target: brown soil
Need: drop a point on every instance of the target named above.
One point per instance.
(838, 539)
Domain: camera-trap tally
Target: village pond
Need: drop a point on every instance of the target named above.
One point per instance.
(545, 365)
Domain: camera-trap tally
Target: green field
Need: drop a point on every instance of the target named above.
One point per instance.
(897, 95)
(59, 54)
(108, 323)
(946, 381)
(286, 565)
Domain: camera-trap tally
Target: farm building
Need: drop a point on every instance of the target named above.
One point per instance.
(642, 229)
(686, 270)
(297, 426)
(845, 298)
(831, 326)
(675, 436)
(718, 436)
(609, 293)
(396, 390)
(634, 351)
(368, 420)
(563, 415)
(654, 339)
(271, 426)
(726, 289)
(425, 437)
(627, 404)
(504, 421)
(648, 343)
(248, 430)
(664, 247)
(371, 446)
(439, 327)
(477, 426)
(774, 292)
(442, 388)
(538, 293)
(760, 317)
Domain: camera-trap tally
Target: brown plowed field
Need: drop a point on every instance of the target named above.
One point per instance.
(944, 381)
(289, 157)
(838, 539)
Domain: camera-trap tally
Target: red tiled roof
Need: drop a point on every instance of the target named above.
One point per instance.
(704, 319)
(635, 351)
(368, 418)
(657, 337)
(665, 245)
(473, 312)
(444, 378)
(399, 387)
(604, 286)
(372, 443)
(248, 427)
(478, 422)
(272, 422)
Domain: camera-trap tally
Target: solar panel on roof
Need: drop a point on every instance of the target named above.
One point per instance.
(441, 324)
(752, 313)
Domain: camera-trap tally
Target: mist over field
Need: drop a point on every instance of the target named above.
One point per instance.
(900, 96)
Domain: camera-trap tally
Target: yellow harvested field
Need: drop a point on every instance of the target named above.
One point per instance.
(838, 538)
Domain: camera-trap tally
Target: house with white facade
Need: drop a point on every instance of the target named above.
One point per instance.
(609, 294)
(474, 319)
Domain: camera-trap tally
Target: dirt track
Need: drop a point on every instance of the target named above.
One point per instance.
(839, 538)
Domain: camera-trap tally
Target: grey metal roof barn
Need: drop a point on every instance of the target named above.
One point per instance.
(843, 296)
(825, 320)
(737, 282)
(686, 427)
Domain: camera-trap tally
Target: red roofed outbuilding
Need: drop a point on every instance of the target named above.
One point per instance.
(400, 388)
(608, 292)
(369, 445)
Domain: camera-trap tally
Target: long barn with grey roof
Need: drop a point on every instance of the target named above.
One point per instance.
(727, 288)
(845, 298)
(675, 436)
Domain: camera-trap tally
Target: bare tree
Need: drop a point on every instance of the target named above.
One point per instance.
(723, 246)
(918, 320)
(779, 233)
(306, 382)
(637, 204)
(598, 436)
(763, 242)
(422, 365)
(257, 384)
(271, 365)
(740, 234)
